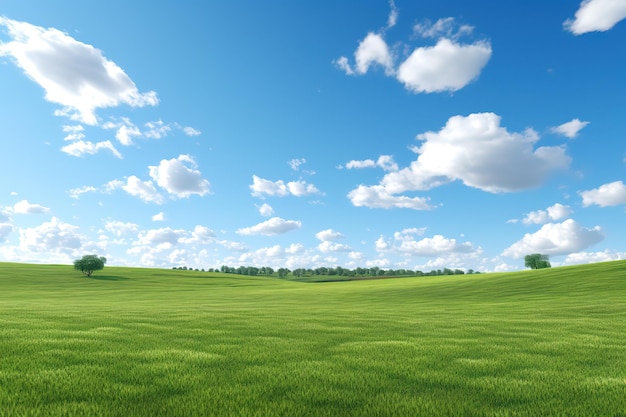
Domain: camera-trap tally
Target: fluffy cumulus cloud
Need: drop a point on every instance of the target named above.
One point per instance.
(145, 190)
(329, 235)
(328, 247)
(406, 242)
(472, 149)
(271, 227)
(73, 74)
(611, 194)
(180, 177)
(53, 237)
(449, 65)
(160, 236)
(24, 207)
(556, 239)
(119, 228)
(266, 210)
(373, 50)
(596, 16)
(200, 235)
(570, 129)
(261, 187)
(378, 196)
(593, 257)
(555, 212)
(434, 246)
(159, 217)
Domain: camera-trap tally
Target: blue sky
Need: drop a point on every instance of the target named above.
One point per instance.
(407, 134)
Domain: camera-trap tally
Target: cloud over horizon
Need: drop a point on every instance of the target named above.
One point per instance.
(475, 150)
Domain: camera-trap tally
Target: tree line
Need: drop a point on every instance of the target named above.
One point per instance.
(326, 271)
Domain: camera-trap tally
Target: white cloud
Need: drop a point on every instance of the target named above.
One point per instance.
(159, 217)
(555, 212)
(163, 237)
(356, 256)
(74, 132)
(157, 129)
(126, 130)
(592, 257)
(366, 163)
(447, 66)
(180, 177)
(301, 188)
(596, 16)
(261, 186)
(475, 150)
(119, 228)
(80, 147)
(295, 248)
(190, 131)
(444, 27)
(328, 247)
(385, 162)
(142, 189)
(76, 192)
(380, 263)
(407, 234)
(570, 129)
(611, 194)
(74, 74)
(435, 246)
(556, 239)
(271, 227)
(200, 235)
(344, 64)
(54, 236)
(24, 207)
(377, 196)
(266, 210)
(373, 50)
(329, 235)
(392, 19)
(295, 163)
(262, 255)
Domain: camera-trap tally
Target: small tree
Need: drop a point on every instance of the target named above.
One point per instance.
(89, 263)
(537, 261)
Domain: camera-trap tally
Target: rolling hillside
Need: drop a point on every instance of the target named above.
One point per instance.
(153, 342)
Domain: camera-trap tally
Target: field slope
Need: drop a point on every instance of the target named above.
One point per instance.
(148, 342)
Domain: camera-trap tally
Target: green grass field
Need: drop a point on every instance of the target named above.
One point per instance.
(148, 342)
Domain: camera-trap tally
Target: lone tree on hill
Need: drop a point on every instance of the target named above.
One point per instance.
(537, 261)
(89, 263)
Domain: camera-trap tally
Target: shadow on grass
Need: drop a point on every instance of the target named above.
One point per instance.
(108, 278)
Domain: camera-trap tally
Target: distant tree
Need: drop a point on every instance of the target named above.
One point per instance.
(89, 263)
(537, 261)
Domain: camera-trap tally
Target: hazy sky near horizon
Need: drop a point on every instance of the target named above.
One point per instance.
(399, 134)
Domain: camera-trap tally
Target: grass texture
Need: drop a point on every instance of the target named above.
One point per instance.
(149, 342)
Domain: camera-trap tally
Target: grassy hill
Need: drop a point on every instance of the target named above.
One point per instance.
(151, 342)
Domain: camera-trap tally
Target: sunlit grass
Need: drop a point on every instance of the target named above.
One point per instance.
(141, 342)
